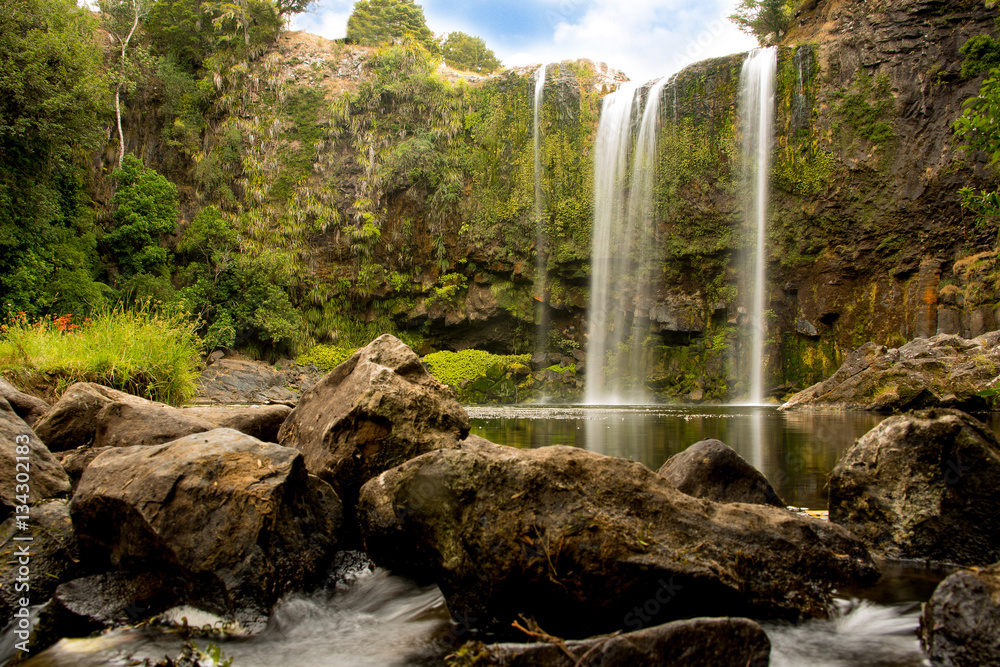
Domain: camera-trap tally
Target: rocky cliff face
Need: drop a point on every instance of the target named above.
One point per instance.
(408, 196)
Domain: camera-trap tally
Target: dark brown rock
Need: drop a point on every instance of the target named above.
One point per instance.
(127, 424)
(240, 518)
(693, 643)
(54, 556)
(923, 485)
(72, 421)
(943, 371)
(376, 410)
(960, 626)
(712, 470)
(75, 461)
(231, 381)
(582, 542)
(260, 421)
(28, 407)
(42, 475)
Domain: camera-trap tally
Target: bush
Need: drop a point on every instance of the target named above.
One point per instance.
(456, 369)
(326, 357)
(142, 351)
(463, 51)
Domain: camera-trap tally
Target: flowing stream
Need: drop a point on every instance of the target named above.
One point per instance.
(541, 312)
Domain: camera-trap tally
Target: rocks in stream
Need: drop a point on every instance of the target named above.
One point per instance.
(375, 411)
(585, 543)
(923, 485)
(72, 421)
(712, 470)
(942, 371)
(690, 643)
(960, 625)
(239, 519)
(259, 421)
(125, 423)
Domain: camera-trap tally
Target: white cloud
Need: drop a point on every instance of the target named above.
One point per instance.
(329, 20)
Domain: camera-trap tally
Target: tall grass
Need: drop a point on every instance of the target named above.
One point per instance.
(141, 350)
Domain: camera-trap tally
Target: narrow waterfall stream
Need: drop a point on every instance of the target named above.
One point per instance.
(757, 85)
(541, 310)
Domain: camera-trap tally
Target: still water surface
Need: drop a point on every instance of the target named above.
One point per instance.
(372, 617)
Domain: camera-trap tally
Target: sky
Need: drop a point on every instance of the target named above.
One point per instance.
(646, 39)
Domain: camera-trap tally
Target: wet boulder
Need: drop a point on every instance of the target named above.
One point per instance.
(586, 543)
(712, 470)
(28, 407)
(72, 421)
(240, 519)
(691, 643)
(53, 558)
(124, 424)
(923, 485)
(28, 470)
(376, 410)
(260, 421)
(960, 625)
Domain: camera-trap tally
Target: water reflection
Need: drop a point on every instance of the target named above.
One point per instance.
(796, 451)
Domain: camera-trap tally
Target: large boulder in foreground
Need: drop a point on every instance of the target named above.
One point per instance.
(22, 453)
(240, 518)
(72, 421)
(692, 643)
(124, 424)
(960, 626)
(712, 470)
(371, 413)
(944, 371)
(585, 543)
(923, 485)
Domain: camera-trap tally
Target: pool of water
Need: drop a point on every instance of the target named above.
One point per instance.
(795, 450)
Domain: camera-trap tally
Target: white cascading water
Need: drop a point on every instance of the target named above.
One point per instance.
(622, 255)
(541, 333)
(757, 86)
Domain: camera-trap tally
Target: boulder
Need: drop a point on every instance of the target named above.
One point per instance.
(943, 371)
(239, 518)
(712, 470)
(28, 407)
(375, 411)
(922, 485)
(72, 421)
(231, 381)
(260, 421)
(75, 461)
(586, 543)
(53, 556)
(691, 643)
(40, 472)
(124, 424)
(960, 625)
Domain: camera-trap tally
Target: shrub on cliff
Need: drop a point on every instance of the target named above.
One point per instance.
(377, 22)
(466, 52)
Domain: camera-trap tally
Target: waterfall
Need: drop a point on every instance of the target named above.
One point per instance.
(623, 258)
(541, 314)
(757, 122)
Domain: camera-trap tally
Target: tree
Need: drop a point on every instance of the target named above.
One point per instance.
(767, 20)
(377, 22)
(53, 104)
(466, 52)
(144, 212)
(121, 19)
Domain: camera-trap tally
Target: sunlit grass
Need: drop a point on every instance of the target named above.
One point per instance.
(143, 351)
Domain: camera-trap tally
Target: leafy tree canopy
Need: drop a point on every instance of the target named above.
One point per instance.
(764, 19)
(466, 52)
(376, 22)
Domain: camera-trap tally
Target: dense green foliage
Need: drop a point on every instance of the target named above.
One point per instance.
(143, 351)
(378, 22)
(463, 51)
(478, 376)
(53, 101)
